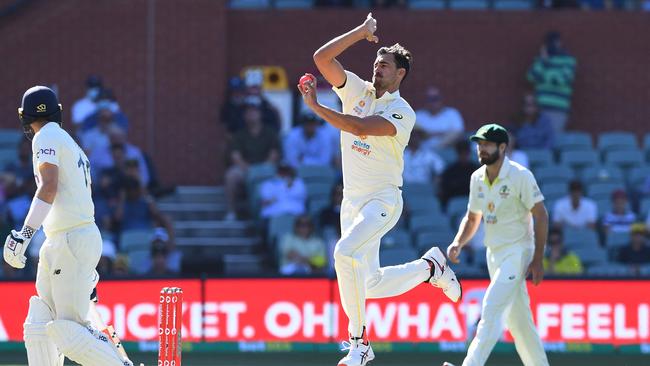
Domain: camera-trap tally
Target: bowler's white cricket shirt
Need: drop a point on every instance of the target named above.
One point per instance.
(372, 163)
(505, 204)
(73, 205)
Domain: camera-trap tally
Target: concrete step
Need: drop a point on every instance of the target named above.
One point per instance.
(240, 264)
(214, 228)
(193, 210)
(196, 194)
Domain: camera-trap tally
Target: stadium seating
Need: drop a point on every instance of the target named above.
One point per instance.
(316, 173)
(294, 4)
(449, 155)
(468, 4)
(591, 256)
(637, 176)
(395, 256)
(617, 140)
(573, 141)
(278, 226)
(249, 4)
(579, 238)
(610, 270)
(426, 4)
(429, 221)
(625, 158)
(10, 138)
(513, 5)
(456, 208)
(396, 238)
(603, 190)
(601, 174)
(579, 159)
(424, 241)
(316, 205)
(644, 207)
(554, 191)
(539, 157)
(415, 191)
(424, 204)
(554, 174)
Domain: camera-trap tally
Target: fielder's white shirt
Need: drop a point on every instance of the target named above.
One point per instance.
(373, 162)
(73, 205)
(505, 204)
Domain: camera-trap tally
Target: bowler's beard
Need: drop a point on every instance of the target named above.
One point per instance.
(493, 158)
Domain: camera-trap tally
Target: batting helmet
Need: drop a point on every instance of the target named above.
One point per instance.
(39, 102)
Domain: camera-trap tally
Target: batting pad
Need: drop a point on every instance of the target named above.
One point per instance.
(82, 345)
(41, 351)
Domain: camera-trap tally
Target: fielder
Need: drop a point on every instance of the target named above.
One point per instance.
(56, 321)
(506, 196)
(375, 127)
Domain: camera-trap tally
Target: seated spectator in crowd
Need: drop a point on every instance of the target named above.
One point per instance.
(22, 169)
(256, 144)
(421, 165)
(106, 101)
(138, 211)
(232, 111)
(620, 218)
(308, 144)
(270, 115)
(455, 179)
(443, 125)
(515, 154)
(97, 138)
(559, 260)
(86, 106)
(283, 194)
(121, 266)
(330, 216)
(575, 210)
(102, 158)
(302, 252)
(19, 199)
(159, 260)
(638, 252)
(532, 130)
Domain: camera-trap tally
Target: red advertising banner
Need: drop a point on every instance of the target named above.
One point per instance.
(308, 310)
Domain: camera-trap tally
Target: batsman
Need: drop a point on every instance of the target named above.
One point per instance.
(56, 322)
(375, 126)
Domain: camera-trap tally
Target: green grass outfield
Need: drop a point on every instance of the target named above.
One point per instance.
(382, 359)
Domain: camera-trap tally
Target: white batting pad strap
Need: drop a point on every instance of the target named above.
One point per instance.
(80, 345)
(40, 349)
(37, 213)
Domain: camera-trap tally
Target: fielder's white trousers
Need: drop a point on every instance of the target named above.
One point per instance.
(66, 271)
(364, 220)
(507, 295)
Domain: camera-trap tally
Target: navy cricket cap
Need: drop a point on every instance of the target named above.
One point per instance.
(491, 132)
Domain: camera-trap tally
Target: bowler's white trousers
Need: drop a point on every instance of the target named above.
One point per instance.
(66, 271)
(507, 295)
(365, 218)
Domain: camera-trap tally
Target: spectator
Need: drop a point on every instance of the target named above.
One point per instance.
(302, 252)
(552, 75)
(159, 260)
(533, 130)
(86, 106)
(330, 216)
(455, 179)
(97, 137)
(443, 124)
(256, 144)
(270, 115)
(421, 165)
(308, 144)
(283, 194)
(575, 210)
(638, 252)
(137, 211)
(559, 260)
(232, 111)
(620, 218)
(102, 158)
(515, 154)
(22, 169)
(106, 101)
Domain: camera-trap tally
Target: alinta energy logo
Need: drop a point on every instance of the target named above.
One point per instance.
(361, 147)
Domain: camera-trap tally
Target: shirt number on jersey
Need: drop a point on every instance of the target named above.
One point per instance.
(85, 166)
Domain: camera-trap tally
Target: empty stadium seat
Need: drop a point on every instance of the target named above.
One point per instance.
(426, 4)
(539, 157)
(433, 221)
(625, 158)
(278, 226)
(258, 173)
(573, 141)
(580, 238)
(617, 140)
(396, 238)
(319, 173)
(554, 191)
(554, 174)
(316, 205)
(513, 5)
(415, 191)
(424, 204)
(10, 138)
(610, 270)
(637, 176)
(457, 207)
(318, 189)
(468, 4)
(604, 205)
(591, 256)
(644, 207)
(249, 4)
(294, 4)
(603, 190)
(395, 256)
(424, 241)
(602, 173)
(579, 159)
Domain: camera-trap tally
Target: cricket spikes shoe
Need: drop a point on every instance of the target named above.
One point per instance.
(359, 351)
(441, 275)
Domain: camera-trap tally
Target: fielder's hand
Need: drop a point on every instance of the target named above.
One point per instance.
(368, 28)
(14, 250)
(453, 252)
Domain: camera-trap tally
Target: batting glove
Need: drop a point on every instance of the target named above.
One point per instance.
(15, 247)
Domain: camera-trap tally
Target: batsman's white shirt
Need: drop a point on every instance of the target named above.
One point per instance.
(371, 163)
(73, 205)
(505, 204)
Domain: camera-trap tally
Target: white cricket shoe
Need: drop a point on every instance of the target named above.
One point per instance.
(442, 276)
(359, 354)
